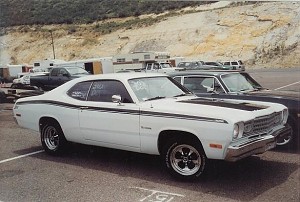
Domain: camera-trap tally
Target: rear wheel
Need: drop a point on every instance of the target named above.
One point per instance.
(184, 159)
(53, 139)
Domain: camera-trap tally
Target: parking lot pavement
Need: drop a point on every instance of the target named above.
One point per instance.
(88, 173)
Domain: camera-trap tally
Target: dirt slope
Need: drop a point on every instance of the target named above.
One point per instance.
(263, 35)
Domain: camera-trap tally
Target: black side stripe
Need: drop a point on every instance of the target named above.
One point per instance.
(181, 116)
(125, 111)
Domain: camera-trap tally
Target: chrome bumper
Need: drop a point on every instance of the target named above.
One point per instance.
(257, 145)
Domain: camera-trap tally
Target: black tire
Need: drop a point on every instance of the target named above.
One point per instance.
(184, 159)
(14, 86)
(2, 97)
(53, 139)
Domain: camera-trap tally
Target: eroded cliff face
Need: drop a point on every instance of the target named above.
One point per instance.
(263, 35)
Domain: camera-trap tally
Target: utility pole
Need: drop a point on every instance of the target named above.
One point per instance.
(52, 43)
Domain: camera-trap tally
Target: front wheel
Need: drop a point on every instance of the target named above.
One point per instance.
(53, 139)
(184, 160)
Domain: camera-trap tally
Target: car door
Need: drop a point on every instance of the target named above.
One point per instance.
(63, 76)
(58, 77)
(107, 123)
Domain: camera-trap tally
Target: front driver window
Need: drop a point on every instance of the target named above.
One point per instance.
(195, 84)
(102, 91)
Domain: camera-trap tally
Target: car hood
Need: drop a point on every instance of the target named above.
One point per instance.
(217, 109)
(294, 95)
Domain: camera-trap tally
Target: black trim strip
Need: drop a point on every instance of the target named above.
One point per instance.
(181, 116)
(227, 104)
(124, 111)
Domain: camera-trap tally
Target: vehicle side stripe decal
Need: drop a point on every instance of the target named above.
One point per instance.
(125, 111)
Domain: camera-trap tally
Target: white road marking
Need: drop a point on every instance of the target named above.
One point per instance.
(287, 85)
(158, 195)
(22, 156)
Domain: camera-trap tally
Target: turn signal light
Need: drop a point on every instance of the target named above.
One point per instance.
(217, 146)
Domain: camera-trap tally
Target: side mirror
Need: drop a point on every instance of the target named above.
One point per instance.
(116, 99)
(210, 90)
(66, 75)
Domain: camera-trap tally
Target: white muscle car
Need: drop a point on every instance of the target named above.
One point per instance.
(151, 113)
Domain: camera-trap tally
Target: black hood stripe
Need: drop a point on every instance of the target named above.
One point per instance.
(227, 104)
(124, 111)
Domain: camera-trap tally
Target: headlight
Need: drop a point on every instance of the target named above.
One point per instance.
(238, 130)
(235, 131)
(278, 117)
(285, 114)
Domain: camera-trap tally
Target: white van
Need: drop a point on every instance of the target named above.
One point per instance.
(238, 65)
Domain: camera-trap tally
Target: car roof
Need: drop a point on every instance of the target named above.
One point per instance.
(121, 76)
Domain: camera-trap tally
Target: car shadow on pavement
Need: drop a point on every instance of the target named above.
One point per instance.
(290, 150)
(243, 180)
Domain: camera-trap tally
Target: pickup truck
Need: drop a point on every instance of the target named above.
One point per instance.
(161, 67)
(56, 77)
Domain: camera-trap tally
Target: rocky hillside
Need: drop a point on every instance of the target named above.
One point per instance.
(265, 34)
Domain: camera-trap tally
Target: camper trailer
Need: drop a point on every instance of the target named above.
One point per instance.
(92, 65)
(9, 72)
(143, 61)
(46, 65)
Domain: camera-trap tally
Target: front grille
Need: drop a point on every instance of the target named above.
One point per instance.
(264, 124)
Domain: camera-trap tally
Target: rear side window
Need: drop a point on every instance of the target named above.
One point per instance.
(80, 90)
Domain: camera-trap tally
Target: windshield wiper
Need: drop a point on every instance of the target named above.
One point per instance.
(183, 94)
(155, 98)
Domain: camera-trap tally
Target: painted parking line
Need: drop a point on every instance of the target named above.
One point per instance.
(287, 85)
(158, 196)
(21, 156)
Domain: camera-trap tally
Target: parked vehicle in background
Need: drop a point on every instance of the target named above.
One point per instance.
(46, 65)
(10, 72)
(23, 80)
(200, 65)
(149, 61)
(160, 67)
(102, 65)
(219, 65)
(240, 85)
(237, 65)
(56, 77)
(154, 115)
(2, 96)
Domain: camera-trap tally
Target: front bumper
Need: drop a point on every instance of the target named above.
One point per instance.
(256, 145)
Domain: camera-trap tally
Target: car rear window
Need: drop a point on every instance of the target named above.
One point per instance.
(80, 90)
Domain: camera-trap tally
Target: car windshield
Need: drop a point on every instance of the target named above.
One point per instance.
(76, 70)
(151, 88)
(239, 83)
(165, 65)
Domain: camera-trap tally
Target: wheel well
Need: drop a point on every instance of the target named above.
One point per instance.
(167, 135)
(45, 120)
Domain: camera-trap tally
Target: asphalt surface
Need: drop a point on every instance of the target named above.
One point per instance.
(87, 173)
